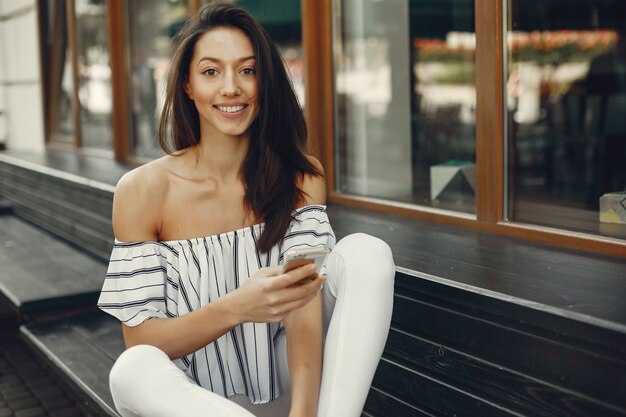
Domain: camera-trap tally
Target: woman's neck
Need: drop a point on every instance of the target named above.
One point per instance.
(220, 157)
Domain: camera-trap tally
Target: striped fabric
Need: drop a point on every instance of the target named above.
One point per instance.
(172, 278)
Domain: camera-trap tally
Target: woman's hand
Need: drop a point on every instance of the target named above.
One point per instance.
(270, 295)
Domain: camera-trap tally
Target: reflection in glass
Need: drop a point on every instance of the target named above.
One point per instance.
(152, 26)
(65, 122)
(94, 74)
(405, 115)
(566, 99)
(62, 84)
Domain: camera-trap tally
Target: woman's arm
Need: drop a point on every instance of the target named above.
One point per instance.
(304, 354)
(304, 331)
(267, 297)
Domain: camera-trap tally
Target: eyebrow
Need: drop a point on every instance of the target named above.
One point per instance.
(219, 61)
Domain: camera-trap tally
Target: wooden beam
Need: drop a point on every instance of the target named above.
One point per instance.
(489, 102)
(318, 82)
(56, 65)
(43, 17)
(193, 6)
(117, 60)
(71, 42)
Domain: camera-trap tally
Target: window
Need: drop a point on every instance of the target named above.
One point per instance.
(449, 121)
(430, 108)
(405, 101)
(77, 77)
(566, 101)
(59, 76)
(94, 74)
(153, 24)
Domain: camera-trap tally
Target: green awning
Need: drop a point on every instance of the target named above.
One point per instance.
(273, 12)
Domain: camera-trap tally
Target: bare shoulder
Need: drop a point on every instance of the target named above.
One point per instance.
(314, 186)
(137, 202)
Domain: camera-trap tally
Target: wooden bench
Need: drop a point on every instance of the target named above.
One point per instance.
(482, 325)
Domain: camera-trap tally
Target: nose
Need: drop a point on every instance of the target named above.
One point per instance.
(230, 87)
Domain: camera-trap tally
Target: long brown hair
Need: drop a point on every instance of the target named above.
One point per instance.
(276, 161)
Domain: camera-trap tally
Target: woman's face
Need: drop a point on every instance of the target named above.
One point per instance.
(222, 82)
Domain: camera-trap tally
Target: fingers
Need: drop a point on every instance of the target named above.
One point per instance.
(272, 271)
(281, 311)
(295, 292)
(285, 279)
(277, 293)
(297, 274)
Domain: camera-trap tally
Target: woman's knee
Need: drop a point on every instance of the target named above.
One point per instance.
(131, 365)
(369, 253)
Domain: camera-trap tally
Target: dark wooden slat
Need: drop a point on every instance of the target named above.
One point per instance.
(380, 404)
(60, 208)
(525, 395)
(543, 321)
(98, 202)
(555, 237)
(40, 272)
(75, 348)
(6, 207)
(538, 357)
(421, 391)
(75, 234)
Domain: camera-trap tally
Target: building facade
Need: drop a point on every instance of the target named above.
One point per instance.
(499, 115)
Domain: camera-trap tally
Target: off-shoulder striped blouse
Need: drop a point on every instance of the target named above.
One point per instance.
(172, 278)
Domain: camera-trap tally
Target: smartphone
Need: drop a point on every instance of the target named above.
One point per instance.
(295, 258)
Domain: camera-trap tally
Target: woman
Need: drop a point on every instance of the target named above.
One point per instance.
(195, 274)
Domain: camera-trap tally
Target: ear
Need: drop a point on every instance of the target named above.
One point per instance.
(188, 90)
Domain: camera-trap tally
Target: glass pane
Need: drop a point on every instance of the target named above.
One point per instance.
(153, 24)
(406, 98)
(94, 74)
(63, 82)
(282, 20)
(566, 94)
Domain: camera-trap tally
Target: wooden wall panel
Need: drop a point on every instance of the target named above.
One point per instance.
(318, 81)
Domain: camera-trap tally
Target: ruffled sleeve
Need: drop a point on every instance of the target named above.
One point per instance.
(138, 280)
(309, 228)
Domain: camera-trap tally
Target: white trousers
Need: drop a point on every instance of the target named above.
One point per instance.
(358, 301)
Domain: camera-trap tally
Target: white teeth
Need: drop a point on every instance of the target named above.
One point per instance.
(230, 109)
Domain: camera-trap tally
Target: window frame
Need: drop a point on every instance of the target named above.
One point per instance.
(491, 137)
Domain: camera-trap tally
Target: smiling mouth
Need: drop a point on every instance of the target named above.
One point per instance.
(231, 109)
